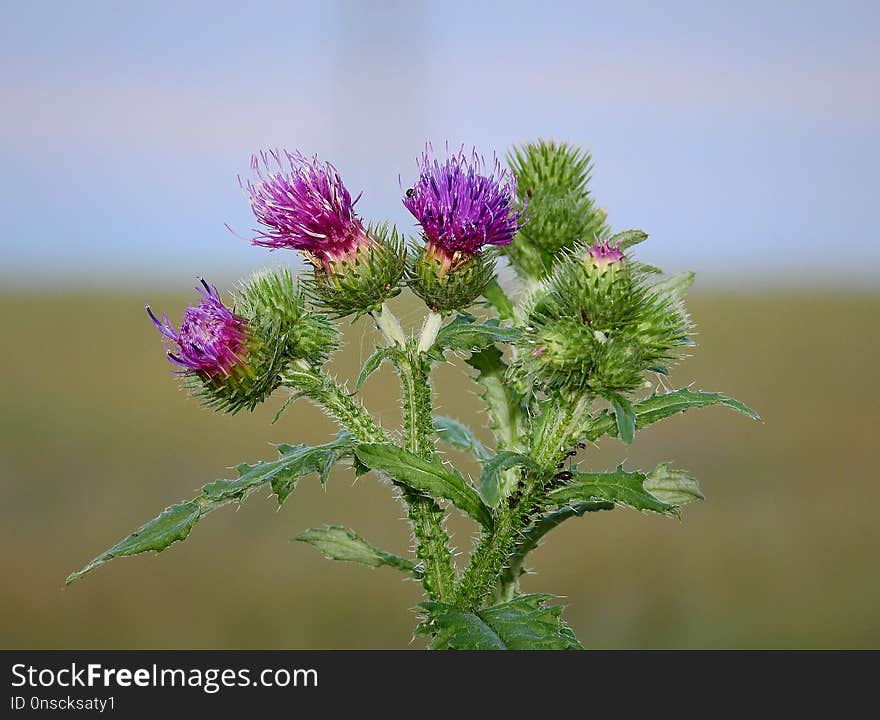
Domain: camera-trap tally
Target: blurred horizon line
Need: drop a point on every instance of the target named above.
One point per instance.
(749, 281)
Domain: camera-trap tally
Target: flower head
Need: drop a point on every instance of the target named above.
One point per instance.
(462, 205)
(598, 322)
(302, 204)
(604, 255)
(211, 339)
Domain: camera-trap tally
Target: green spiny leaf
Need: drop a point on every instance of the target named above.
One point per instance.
(675, 487)
(176, 522)
(627, 239)
(172, 525)
(288, 401)
(466, 334)
(496, 296)
(491, 489)
(339, 543)
(625, 417)
(524, 623)
(372, 364)
(660, 406)
(619, 486)
(459, 435)
(430, 477)
(294, 462)
(503, 403)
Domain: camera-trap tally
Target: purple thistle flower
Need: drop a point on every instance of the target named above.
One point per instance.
(461, 205)
(211, 338)
(603, 255)
(303, 204)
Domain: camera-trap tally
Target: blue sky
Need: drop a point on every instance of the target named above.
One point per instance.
(743, 136)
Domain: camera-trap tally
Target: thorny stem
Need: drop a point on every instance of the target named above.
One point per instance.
(333, 398)
(424, 513)
(531, 537)
(413, 368)
(497, 550)
(560, 429)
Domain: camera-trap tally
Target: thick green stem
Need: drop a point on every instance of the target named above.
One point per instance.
(560, 429)
(426, 515)
(418, 425)
(531, 537)
(494, 553)
(331, 397)
(432, 546)
(487, 560)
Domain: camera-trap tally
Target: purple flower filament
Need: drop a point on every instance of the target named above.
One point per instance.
(461, 205)
(211, 339)
(303, 205)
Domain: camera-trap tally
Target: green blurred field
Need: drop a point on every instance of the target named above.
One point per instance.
(96, 438)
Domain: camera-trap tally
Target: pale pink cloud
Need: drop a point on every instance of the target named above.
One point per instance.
(132, 116)
(202, 119)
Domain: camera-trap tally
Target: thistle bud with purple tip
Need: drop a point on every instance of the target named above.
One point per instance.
(462, 206)
(596, 324)
(234, 358)
(603, 256)
(302, 204)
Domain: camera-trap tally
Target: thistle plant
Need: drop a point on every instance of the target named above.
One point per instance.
(568, 359)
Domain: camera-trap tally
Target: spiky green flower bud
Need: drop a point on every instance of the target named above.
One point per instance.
(360, 282)
(552, 185)
(277, 310)
(597, 324)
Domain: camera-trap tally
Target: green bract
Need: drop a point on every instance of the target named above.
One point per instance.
(598, 330)
(276, 309)
(565, 363)
(448, 286)
(362, 283)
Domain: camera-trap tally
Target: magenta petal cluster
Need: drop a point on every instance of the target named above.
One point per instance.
(211, 339)
(302, 204)
(462, 204)
(604, 255)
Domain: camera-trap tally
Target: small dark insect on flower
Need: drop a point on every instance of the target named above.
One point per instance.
(463, 203)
